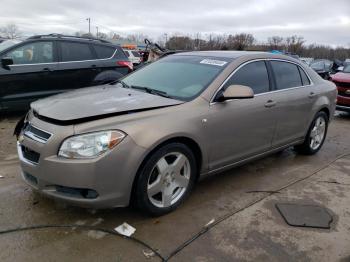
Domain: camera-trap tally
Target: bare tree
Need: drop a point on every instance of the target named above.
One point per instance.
(136, 38)
(275, 42)
(10, 31)
(240, 41)
(113, 35)
(295, 43)
(180, 43)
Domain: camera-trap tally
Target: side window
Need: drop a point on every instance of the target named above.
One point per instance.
(75, 52)
(286, 74)
(253, 75)
(304, 78)
(32, 53)
(104, 51)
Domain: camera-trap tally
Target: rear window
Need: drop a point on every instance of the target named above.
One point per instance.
(135, 53)
(76, 52)
(104, 51)
(286, 74)
(126, 53)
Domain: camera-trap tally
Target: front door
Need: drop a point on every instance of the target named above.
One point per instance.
(239, 129)
(32, 76)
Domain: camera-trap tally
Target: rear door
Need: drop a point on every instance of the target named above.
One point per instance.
(32, 76)
(242, 128)
(294, 96)
(78, 64)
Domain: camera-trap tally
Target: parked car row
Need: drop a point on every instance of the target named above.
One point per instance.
(325, 67)
(339, 73)
(45, 65)
(134, 56)
(342, 81)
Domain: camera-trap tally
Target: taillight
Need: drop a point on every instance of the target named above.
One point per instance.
(126, 64)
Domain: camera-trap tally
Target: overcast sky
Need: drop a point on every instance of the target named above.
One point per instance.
(319, 21)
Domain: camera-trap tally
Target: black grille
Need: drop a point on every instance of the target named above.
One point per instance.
(30, 155)
(342, 93)
(35, 133)
(30, 178)
(342, 84)
(77, 192)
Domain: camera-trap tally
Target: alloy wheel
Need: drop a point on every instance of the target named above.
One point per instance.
(169, 179)
(317, 133)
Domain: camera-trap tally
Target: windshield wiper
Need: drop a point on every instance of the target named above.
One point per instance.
(144, 88)
(151, 91)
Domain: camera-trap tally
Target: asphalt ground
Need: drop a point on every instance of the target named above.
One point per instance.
(240, 203)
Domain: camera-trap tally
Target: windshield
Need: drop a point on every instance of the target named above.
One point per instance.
(7, 44)
(180, 77)
(346, 69)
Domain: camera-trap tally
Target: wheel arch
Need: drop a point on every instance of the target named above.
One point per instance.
(193, 146)
(106, 76)
(326, 110)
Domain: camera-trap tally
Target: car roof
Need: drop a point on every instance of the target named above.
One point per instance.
(224, 54)
(242, 55)
(72, 38)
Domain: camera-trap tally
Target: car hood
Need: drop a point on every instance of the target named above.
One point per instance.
(97, 102)
(341, 77)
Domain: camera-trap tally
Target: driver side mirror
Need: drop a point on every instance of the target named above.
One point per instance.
(6, 62)
(235, 92)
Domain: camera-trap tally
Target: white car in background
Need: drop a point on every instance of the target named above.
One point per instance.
(134, 56)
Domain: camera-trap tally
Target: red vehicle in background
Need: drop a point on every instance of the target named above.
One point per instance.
(342, 81)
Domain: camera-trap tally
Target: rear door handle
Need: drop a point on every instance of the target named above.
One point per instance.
(270, 103)
(46, 69)
(312, 95)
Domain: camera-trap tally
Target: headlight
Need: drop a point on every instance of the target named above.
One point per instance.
(90, 145)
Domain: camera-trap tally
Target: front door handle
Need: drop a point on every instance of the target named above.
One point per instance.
(312, 95)
(270, 103)
(94, 67)
(46, 69)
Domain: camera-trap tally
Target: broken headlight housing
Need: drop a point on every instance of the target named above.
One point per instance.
(90, 145)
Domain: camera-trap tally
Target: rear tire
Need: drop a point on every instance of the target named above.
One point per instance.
(166, 179)
(315, 136)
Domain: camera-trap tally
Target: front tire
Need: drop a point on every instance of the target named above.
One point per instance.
(315, 136)
(166, 179)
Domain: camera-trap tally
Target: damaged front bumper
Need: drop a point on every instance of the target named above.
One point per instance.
(102, 182)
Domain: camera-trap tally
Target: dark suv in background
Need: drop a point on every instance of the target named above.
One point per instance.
(44, 65)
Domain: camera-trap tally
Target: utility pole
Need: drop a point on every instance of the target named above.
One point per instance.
(89, 20)
(97, 31)
(166, 39)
